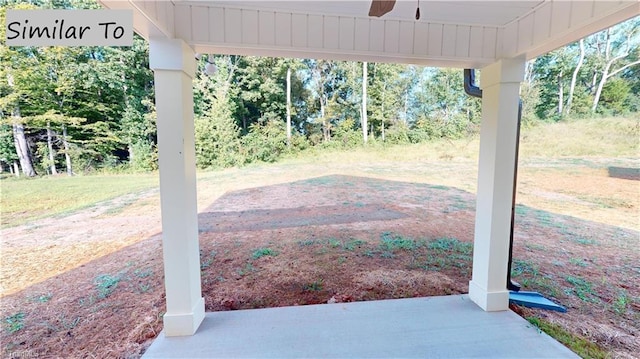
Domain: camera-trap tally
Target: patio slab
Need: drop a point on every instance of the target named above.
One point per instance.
(433, 327)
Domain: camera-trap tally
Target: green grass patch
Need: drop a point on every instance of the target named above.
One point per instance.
(106, 284)
(248, 269)
(544, 218)
(40, 298)
(585, 241)
(353, 244)
(263, 252)
(306, 242)
(522, 210)
(315, 286)
(535, 246)
(391, 242)
(446, 253)
(14, 323)
(578, 344)
(582, 289)
(334, 242)
(621, 302)
(543, 284)
(25, 200)
(205, 261)
(447, 244)
(578, 262)
(143, 273)
(520, 267)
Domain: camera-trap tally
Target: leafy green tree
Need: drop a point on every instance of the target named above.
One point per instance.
(216, 132)
(442, 107)
(8, 156)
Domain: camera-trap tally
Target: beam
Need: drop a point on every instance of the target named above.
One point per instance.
(173, 63)
(500, 84)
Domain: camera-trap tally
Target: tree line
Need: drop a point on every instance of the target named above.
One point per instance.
(79, 109)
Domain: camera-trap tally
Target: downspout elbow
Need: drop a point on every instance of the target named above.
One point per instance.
(470, 83)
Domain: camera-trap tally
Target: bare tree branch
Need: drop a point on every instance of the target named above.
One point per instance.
(637, 62)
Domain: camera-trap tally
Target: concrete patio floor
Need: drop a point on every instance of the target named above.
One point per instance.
(432, 327)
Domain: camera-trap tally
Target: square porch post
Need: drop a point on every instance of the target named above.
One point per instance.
(174, 66)
(500, 84)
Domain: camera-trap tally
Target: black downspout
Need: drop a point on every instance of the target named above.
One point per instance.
(472, 90)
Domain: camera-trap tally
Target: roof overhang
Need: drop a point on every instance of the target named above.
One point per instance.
(469, 34)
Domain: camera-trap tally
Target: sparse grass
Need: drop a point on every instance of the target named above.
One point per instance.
(205, 262)
(607, 137)
(315, 286)
(544, 284)
(143, 288)
(247, 269)
(544, 218)
(578, 262)
(143, 273)
(585, 241)
(582, 288)
(306, 242)
(15, 322)
(446, 253)
(262, 252)
(579, 345)
(535, 246)
(24, 200)
(621, 302)
(334, 242)
(40, 298)
(520, 267)
(352, 244)
(522, 210)
(106, 284)
(450, 245)
(391, 242)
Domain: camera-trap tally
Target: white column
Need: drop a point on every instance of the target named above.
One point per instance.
(500, 84)
(174, 66)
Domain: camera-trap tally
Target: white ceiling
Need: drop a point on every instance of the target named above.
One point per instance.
(475, 12)
(453, 33)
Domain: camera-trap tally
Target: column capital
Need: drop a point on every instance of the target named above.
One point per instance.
(172, 55)
(509, 70)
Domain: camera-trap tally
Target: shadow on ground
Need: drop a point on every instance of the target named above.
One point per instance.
(624, 173)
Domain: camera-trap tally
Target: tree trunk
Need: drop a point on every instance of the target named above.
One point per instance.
(574, 78)
(603, 80)
(560, 94)
(605, 72)
(131, 153)
(363, 120)
(289, 107)
(16, 169)
(67, 157)
(324, 120)
(610, 61)
(52, 161)
(20, 142)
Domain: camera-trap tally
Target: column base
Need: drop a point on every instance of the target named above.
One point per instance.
(489, 301)
(176, 325)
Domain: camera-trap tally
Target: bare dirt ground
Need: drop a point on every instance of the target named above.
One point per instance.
(91, 284)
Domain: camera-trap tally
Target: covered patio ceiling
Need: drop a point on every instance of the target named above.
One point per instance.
(454, 33)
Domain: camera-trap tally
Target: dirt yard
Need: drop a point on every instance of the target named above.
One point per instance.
(91, 284)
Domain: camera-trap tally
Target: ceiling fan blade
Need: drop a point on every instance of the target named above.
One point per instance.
(381, 7)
